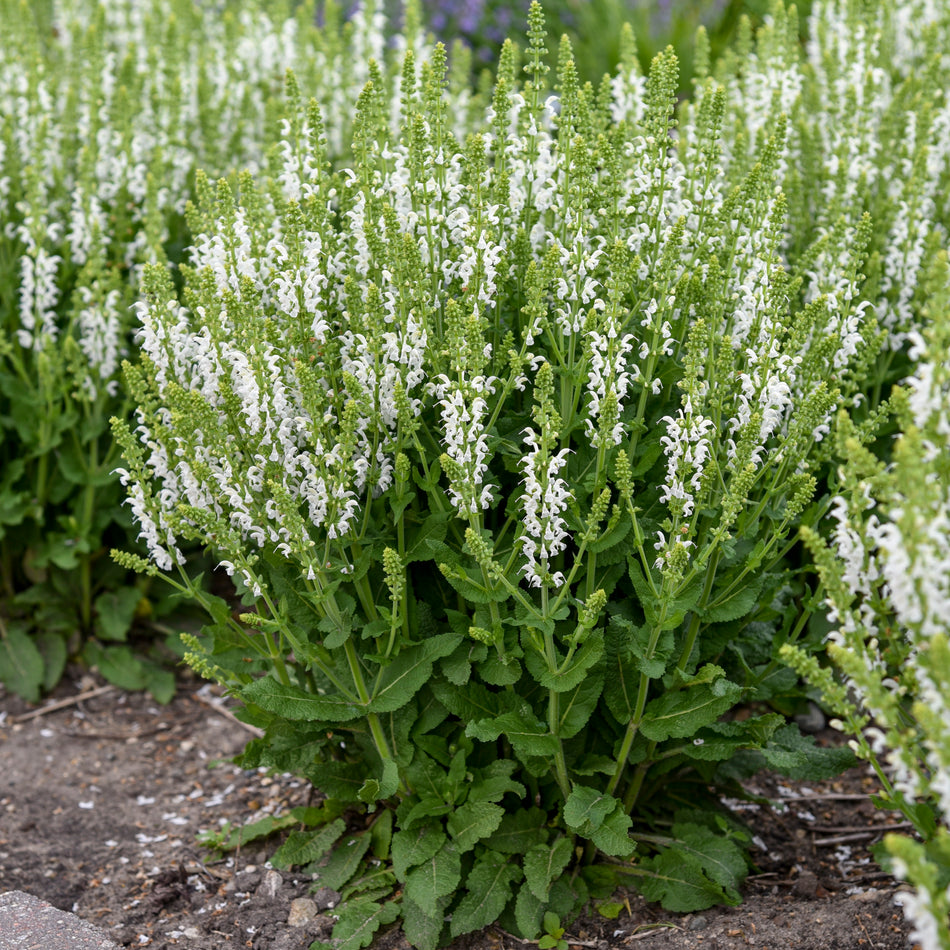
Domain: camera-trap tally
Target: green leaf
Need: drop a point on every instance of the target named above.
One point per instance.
(457, 667)
(21, 664)
(529, 911)
(610, 909)
(613, 836)
(473, 821)
(488, 889)
(474, 702)
(437, 876)
(520, 830)
(797, 756)
(115, 611)
(679, 714)
(586, 808)
(401, 680)
(494, 781)
(291, 702)
(423, 930)
(526, 735)
(568, 679)
(410, 848)
(544, 863)
(737, 604)
(118, 664)
(382, 834)
(52, 646)
(720, 857)
(471, 586)
(305, 847)
(338, 780)
(375, 789)
(576, 708)
(343, 862)
(358, 922)
(677, 881)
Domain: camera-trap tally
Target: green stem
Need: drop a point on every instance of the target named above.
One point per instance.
(554, 705)
(633, 727)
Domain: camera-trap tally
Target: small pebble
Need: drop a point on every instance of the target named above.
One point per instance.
(698, 922)
(302, 911)
(271, 885)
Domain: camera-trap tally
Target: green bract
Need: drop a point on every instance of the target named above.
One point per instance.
(502, 428)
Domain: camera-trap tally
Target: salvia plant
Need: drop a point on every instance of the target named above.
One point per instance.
(107, 112)
(504, 441)
(886, 570)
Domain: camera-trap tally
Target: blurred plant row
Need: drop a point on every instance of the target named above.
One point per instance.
(545, 419)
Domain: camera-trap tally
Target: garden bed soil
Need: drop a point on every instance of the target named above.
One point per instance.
(101, 800)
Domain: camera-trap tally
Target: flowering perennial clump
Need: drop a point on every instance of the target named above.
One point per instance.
(505, 411)
(501, 424)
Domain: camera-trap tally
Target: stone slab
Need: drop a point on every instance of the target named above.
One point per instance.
(28, 923)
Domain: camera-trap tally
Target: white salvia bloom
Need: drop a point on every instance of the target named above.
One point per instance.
(464, 414)
(159, 547)
(100, 336)
(39, 296)
(686, 447)
(608, 372)
(545, 499)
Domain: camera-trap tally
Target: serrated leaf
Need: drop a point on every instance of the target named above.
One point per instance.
(797, 756)
(457, 667)
(428, 807)
(527, 736)
(493, 782)
(576, 707)
(410, 848)
(488, 890)
(437, 876)
(291, 702)
(338, 780)
(473, 703)
(422, 930)
(678, 883)
(343, 862)
(520, 830)
(529, 912)
(305, 847)
(561, 682)
(586, 808)
(612, 837)
(398, 682)
(358, 922)
(679, 714)
(737, 604)
(720, 857)
(544, 864)
(472, 587)
(115, 611)
(373, 789)
(473, 821)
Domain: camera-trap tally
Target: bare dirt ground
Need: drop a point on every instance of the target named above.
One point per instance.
(101, 800)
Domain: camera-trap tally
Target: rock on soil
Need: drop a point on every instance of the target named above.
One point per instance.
(100, 803)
